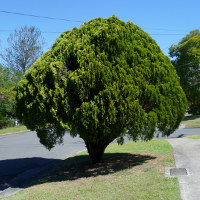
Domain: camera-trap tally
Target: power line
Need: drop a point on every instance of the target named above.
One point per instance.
(38, 16)
(52, 32)
(159, 34)
(80, 21)
(164, 29)
(166, 34)
(2, 30)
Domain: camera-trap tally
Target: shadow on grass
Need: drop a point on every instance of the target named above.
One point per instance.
(81, 166)
(192, 117)
(22, 172)
(26, 172)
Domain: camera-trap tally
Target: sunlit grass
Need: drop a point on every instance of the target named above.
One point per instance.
(192, 121)
(131, 171)
(193, 136)
(13, 130)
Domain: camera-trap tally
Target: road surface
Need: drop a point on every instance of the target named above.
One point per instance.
(23, 159)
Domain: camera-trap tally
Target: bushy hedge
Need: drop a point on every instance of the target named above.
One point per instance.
(100, 81)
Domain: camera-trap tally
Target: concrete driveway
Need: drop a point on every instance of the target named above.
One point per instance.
(187, 155)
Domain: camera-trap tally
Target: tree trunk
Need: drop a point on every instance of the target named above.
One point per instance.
(96, 150)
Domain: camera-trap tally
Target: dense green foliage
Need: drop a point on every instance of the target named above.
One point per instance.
(7, 96)
(187, 64)
(101, 81)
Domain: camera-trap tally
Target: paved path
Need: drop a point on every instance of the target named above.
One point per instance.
(187, 155)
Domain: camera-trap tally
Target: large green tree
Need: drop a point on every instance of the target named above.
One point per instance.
(187, 65)
(104, 80)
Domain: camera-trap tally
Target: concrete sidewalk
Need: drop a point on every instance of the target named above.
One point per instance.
(187, 155)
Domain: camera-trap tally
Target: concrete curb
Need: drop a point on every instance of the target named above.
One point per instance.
(182, 126)
(15, 133)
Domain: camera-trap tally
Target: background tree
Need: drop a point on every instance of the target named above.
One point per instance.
(24, 47)
(104, 80)
(187, 65)
(7, 96)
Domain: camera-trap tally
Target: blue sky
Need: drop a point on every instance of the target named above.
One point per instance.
(167, 21)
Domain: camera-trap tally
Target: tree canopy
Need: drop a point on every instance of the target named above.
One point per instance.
(104, 80)
(187, 65)
(7, 96)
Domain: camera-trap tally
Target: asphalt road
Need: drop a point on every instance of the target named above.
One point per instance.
(23, 159)
(183, 132)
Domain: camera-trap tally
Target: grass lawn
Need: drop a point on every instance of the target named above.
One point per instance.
(131, 171)
(193, 136)
(13, 130)
(192, 121)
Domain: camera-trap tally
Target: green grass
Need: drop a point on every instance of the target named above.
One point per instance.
(192, 121)
(13, 130)
(157, 146)
(193, 136)
(131, 171)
